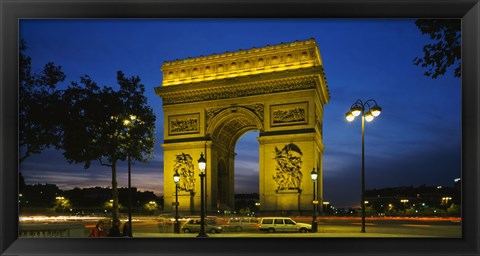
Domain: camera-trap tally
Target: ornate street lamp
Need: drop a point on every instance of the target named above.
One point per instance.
(314, 176)
(176, 226)
(369, 111)
(202, 163)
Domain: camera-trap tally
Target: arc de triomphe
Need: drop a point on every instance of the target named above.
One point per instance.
(210, 102)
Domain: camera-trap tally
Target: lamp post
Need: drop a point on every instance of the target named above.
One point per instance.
(369, 112)
(404, 201)
(130, 122)
(176, 226)
(129, 194)
(314, 176)
(202, 163)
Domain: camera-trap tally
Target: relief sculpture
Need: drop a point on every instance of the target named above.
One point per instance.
(185, 168)
(257, 109)
(183, 124)
(288, 171)
(289, 115)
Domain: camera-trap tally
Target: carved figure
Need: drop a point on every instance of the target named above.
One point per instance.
(179, 125)
(288, 171)
(290, 115)
(185, 168)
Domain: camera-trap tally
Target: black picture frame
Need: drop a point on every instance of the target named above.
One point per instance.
(13, 10)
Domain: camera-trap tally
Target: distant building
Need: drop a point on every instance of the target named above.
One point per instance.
(412, 199)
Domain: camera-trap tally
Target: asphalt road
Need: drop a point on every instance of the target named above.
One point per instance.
(337, 227)
(327, 227)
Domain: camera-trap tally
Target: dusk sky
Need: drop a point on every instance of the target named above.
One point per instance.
(416, 140)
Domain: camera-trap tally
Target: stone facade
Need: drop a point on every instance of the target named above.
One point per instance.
(210, 102)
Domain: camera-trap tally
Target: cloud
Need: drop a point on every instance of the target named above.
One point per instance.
(246, 182)
(70, 180)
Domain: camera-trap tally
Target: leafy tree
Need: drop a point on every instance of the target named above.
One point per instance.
(62, 204)
(370, 211)
(107, 126)
(445, 50)
(150, 207)
(454, 210)
(38, 99)
(410, 211)
(245, 211)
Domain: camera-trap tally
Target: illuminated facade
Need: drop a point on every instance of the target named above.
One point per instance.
(210, 102)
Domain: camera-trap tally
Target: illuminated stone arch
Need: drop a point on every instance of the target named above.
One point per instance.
(225, 126)
(207, 112)
(232, 122)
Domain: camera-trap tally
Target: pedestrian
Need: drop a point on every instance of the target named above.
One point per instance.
(126, 229)
(115, 229)
(98, 230)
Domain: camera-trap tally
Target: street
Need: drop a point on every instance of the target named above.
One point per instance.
(151, 226)
(343, 227)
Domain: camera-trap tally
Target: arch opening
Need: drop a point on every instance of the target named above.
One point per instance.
(247, 164)
(229, 129)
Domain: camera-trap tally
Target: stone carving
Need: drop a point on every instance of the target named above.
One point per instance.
(211, 113)
(257, 109)
(241, 63)
(185, 168)
(183, 124)
(288, 171)
(289, 114)
(236, 91)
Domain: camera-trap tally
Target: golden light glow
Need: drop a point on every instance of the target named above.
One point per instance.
(176, 177)
(202, 163)
(314, 174)
(356, 110)
(376, 111)
(202, 166)
(349, 116)
(289, 56)
(369, 117)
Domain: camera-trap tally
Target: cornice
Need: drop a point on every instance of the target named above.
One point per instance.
(308, 78)
(285, 56)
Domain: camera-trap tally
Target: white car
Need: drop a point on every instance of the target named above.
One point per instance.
(242, 224)
(282, 224)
